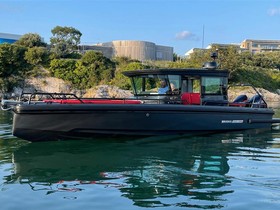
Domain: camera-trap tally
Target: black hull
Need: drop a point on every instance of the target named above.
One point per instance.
(52, 122)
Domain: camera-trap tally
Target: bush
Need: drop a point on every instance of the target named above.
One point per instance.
(13, 66)
(258, 77)
(63, 69)
(92, 69)
(122, 81)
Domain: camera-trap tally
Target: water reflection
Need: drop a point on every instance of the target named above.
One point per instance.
(151, 172)
(5, 125)
(195, 172)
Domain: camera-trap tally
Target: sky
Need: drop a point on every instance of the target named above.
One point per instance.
(181, 24)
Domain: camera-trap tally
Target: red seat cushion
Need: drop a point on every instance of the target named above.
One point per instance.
(191, 98)
(93, 101)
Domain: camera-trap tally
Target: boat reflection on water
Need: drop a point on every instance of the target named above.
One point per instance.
(181, 171)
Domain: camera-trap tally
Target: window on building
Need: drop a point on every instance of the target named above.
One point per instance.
(269, 46)
(159, 55)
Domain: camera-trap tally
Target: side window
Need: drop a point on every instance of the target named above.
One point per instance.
(196, 86)
(149, 84)
(138, 83)
(154, 84)
(175, 82)
(191, 85)
(212, 85)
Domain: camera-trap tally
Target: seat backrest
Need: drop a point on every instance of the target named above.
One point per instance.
(190, 98)
(240, 98)
(255, 99)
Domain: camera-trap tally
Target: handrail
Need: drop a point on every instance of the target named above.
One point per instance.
(63, 97)
(51, 95)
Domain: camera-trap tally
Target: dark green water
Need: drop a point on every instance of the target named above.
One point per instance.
(222, 171)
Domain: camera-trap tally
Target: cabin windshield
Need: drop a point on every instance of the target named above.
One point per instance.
(155, 84)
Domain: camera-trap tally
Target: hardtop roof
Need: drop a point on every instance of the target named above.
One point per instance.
(186, 72)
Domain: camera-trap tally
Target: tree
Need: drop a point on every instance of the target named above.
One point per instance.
(122, 81)
(229, 58)
(94, 68)
(123, 61)
(177, 57)
(198, 58)
(63, 69)
(36, 56)
(262, 60)
(13, 66)
(31, 40)
(275, 57)
(64, 41)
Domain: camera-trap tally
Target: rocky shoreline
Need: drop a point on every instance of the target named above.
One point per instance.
(55, 85)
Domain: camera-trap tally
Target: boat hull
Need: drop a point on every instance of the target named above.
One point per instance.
(62, 121)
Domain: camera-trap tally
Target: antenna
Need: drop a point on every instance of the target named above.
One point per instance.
(202, 46)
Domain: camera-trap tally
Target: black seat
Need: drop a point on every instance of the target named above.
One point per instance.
(240, 98)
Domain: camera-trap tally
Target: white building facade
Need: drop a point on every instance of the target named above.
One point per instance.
(139, 50)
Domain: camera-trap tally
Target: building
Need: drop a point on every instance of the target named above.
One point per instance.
(223, 46)
(255, 46)
(8, 38)
(251, 45)
(191, 51)
(139, 50)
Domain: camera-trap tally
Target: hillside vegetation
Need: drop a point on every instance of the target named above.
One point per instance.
(30, 57)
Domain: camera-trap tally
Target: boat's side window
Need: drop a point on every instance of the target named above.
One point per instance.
(150, 84)
(196, 86)
(163, 87)
(157, 84)
(212, 85)
(191, 85)
(175, 83)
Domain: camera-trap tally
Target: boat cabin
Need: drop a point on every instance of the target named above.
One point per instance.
(186, 86)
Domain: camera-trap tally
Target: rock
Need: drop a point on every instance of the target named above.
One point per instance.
(107, 91)
(55, 85)
(44, 84)
(268, 96)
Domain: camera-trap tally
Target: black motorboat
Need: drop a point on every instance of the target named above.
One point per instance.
(189, 101)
